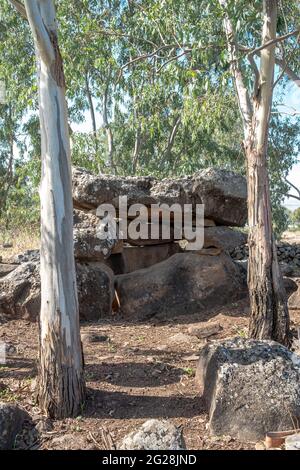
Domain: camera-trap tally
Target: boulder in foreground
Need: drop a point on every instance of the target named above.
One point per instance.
(249, 387)
(154, 434)
(11, 421)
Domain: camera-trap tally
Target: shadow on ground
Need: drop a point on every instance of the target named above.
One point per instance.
(117, 405)
(134, 374)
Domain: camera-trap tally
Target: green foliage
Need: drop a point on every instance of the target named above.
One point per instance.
(156, 75)
(295, 217)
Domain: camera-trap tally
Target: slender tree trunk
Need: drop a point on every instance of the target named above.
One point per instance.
(167, 151)
(269, 313)
(92, 110)
(109, 134)
(61, 382)
(269, 318)
(136, 150)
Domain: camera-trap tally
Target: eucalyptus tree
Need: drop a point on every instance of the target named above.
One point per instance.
(269, 313)
(61, 381)
(17, 78)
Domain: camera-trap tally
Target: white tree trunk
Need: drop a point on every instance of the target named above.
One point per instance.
(269, 313)
(61, 382)
(269, 318)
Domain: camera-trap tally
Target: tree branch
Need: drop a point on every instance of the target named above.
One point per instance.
(187, 51)
(274, 41)
(293, 196)
(294, 187)
(278, 61)
(242, 92)
(289, 72)
(19, 7)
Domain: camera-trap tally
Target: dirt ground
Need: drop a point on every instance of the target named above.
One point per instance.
(134, 372)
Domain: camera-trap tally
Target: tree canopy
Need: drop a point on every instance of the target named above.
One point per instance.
(153, 80)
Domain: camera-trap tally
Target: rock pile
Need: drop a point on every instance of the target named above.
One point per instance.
(287, 253)
(222, 192)
(145, 277)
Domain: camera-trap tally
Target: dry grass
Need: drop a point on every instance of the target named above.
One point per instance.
(291, 236)
(26, 239)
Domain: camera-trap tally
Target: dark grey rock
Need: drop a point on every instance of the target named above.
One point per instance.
(27, 256)
(249, 387)
(223, 193)
(183, 284)
(224, 237)
(20, 291)
(11, 422)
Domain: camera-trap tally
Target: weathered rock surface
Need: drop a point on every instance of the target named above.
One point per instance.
(223, 193)
(28, 255)
(20, 291)
(294, 300)
(95, 286)
(133, 258)
(11, 421)
(90, 191)
(288, 256)
(183, 284)
(6, 268)
(88, 242)
(290, 286)
(204, 331)
(223, 237)
(249, 387)
(154, 434)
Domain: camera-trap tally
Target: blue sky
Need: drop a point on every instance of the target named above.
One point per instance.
(293, 100)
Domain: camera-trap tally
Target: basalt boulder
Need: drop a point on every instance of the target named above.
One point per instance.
(223, 193)
(12, 419)
(20, 291)
(184, 284)
(249, 387)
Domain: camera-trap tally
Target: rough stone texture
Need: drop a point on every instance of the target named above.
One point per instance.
(95, 286)
(224, 237)
(249, 387)
(154, 434)
(20, 291)
(133, 258)
(88, 244)
(28, 255)
(294, 300)
(204, 331)
(223, 193)
(90, 191)
(290, 285)
(11, 421)
(288, 257)
(183, 284)
(6, 269)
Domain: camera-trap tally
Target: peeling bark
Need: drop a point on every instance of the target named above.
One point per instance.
(61, 383)
(269, 317)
